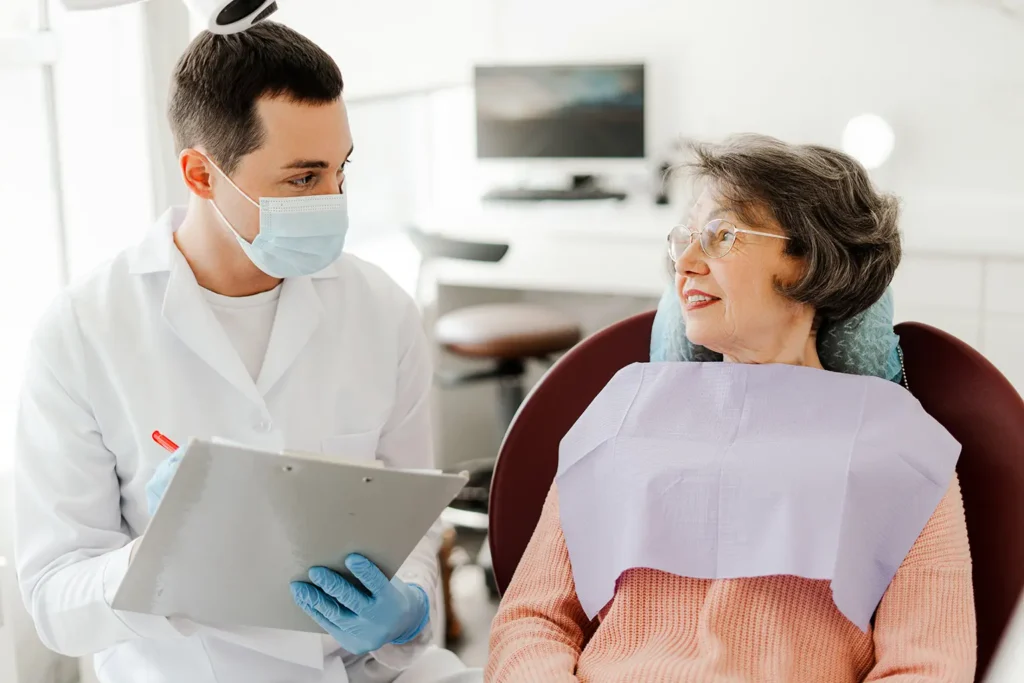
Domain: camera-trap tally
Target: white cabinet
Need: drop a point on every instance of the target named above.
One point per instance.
(1004, 287)
(1004, 345)
(1003, 332)
(978, 299)
(964, 324)
(951, 283)
(944, 292)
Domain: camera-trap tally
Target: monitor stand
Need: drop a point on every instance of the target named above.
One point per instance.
(584, 187)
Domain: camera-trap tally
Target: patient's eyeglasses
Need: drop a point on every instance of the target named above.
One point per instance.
(716, 239)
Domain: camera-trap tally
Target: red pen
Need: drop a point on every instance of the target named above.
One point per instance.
(164, 442)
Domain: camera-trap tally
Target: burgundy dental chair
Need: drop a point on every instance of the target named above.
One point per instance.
(954, 383)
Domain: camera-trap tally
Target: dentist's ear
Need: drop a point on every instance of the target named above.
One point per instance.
(197, 173)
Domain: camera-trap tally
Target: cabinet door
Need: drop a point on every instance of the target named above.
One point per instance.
(1004, 345)
(943, 292)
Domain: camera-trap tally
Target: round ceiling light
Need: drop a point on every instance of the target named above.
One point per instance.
(869, 139)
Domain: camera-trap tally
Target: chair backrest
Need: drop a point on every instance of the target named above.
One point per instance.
(972, 399)
(954, 383)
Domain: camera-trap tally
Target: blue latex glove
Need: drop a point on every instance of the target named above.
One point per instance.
(393, 613)
(157, 486)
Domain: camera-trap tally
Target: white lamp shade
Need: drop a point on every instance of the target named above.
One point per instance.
(218, 16)
(869, 139)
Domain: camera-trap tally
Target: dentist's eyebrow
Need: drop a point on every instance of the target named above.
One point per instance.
(315, 164)
(307, 164)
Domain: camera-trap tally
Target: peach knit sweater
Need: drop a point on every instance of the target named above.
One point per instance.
(777, 629)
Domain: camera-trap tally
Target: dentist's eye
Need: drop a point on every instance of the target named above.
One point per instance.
(304, 181)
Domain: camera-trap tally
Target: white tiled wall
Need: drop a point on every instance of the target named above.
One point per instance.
(978, 299)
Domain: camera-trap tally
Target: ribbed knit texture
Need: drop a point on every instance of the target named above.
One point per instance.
(778, 629)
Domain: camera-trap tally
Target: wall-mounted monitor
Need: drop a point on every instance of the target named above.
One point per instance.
(574, 112)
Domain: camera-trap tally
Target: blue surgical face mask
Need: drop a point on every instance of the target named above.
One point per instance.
(298, 235)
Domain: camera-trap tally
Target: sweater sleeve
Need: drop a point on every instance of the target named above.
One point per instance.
(540, 628)
(925, 629)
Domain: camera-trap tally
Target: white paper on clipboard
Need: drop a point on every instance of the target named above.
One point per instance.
(237, 522)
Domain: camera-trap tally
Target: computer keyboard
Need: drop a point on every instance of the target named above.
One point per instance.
(535, 195)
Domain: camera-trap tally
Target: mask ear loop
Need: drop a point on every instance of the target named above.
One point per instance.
(216, 208)
(231, 182)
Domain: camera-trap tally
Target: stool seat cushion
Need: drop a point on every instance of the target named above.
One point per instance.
(506, 331)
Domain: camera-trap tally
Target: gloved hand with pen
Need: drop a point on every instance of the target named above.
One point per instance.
(394, 612)
(157, 485)
(161, 479)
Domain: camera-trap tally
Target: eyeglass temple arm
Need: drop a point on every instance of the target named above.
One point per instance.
(761, 234)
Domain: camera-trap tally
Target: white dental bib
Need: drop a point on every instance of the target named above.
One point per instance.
(725, 470)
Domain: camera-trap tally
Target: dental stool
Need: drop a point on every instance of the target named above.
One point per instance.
(508, 335)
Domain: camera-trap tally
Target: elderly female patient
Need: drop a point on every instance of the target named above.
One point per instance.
(760, 519)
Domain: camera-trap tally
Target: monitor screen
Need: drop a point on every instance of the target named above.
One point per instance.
(560, 111)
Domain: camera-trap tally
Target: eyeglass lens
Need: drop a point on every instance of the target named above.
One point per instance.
(716, 239)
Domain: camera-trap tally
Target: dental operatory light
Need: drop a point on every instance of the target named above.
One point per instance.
(869, 139)
(219, 16)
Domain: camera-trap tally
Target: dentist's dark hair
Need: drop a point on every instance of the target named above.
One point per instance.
(219, 79)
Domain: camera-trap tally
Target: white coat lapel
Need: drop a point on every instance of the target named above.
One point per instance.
(299, 314)
(190, 317)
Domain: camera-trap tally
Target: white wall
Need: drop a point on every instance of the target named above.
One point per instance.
(948, 74)
(388, 46)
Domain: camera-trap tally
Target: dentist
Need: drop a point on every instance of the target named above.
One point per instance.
(240, 317)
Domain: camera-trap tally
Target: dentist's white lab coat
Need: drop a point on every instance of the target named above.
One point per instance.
(136, 348)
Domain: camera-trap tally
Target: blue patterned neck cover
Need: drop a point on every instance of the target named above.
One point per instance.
(862, 345)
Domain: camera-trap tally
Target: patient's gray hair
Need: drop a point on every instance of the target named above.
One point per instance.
(842, 228)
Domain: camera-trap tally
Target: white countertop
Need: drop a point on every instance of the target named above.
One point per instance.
(952, 228)
(619, 247)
